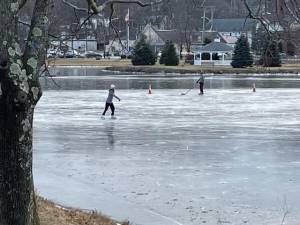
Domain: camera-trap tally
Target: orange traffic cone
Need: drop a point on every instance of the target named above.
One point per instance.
(253, 87)
(149, 90)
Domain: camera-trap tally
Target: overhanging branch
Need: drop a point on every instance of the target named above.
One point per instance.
(22, 3)
(74, 6)
(292, 13)
(97, 9)
(262, 21)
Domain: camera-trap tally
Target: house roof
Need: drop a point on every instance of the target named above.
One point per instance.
(169, 35)
(213, 47)
(132, 36)
(233, 25)
(228, 39)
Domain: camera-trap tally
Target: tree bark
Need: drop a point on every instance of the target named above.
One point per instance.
(20, 92)
(17, 199)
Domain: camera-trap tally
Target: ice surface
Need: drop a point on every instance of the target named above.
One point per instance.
(228, 157)
(86, 78)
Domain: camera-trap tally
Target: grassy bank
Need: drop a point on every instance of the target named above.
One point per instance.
(182, 68)
(202, 69)
(51, 214)
(88, 62)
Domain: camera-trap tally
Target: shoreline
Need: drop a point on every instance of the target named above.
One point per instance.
(51, 213)
(125, 68)
(181, 73)
(197, 71)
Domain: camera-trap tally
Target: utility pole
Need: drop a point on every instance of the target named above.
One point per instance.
(128, 34)
(267, 7)
(233, 4)
(203, 24)
(279, 8)
(205, 17)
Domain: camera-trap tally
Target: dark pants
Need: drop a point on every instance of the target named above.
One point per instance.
(112, 107)
(201, 87)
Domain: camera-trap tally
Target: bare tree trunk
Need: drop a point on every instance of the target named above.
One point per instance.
(20, 91)
(17, 199)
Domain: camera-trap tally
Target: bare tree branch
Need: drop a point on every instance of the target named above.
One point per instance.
(112, 10)
(24, 23)
(22, 3)
(262, 21)
(96, 9)
(292, 13)
(75, 6)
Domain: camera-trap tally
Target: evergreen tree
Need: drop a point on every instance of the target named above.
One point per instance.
(142, 53)
(169, 56)
(271, 55)
(164, 53)
(241, 56)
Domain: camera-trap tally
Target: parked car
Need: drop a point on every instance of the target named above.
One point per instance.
(93, 54)
(60, 54)
(283, 55)
(51, 53)
(71, 54)
(116, 53)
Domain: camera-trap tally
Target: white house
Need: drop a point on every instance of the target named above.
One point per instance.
(157, 38)
(80, 45)
(221, 51)
(115, 46)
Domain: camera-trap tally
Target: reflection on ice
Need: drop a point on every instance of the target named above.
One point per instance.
(109, 131)
(70, 78)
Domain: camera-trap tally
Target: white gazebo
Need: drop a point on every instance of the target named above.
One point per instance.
(223, 50)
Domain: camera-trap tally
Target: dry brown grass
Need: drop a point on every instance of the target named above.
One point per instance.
(88, 62)
(51, 214)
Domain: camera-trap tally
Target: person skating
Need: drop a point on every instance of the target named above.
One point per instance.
(109, 102)
(201, 83)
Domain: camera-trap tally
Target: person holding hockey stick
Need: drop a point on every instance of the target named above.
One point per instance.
(201, 84)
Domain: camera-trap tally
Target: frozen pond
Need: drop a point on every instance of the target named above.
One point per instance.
(228, 157)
